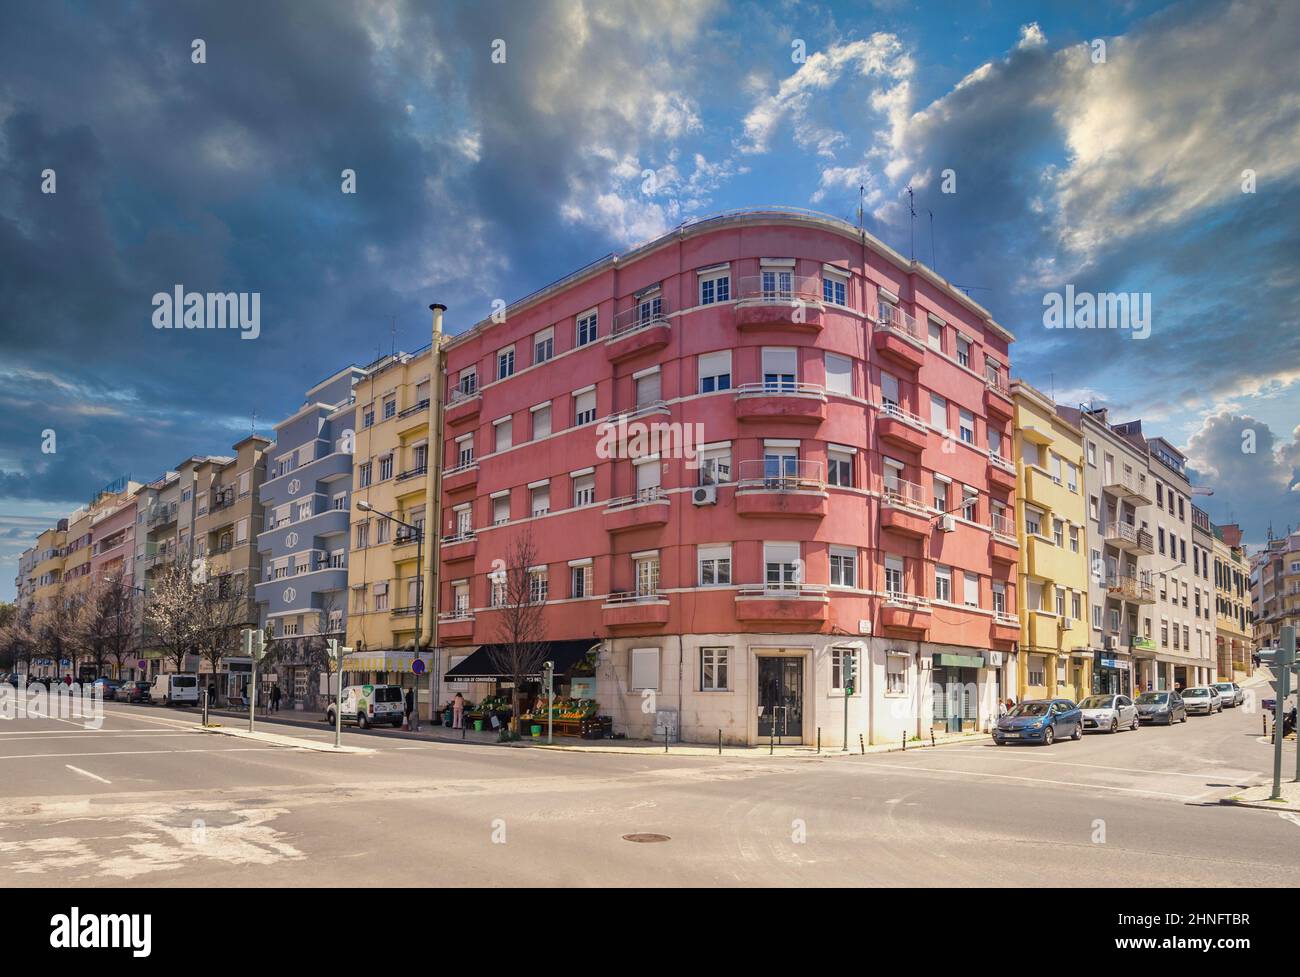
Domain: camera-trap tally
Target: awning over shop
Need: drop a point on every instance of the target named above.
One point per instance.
(480, 666)
(384, 661)
(959, 661)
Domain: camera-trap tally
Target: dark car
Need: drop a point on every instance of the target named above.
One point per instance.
(133, 692)
(1161, 707)
(107, 686)
(1040, 721)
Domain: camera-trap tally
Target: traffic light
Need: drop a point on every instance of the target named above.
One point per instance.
(850, 672)
(332, 650)
(254, 643)
(548, 676)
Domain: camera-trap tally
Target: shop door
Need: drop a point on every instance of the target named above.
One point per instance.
(780, 698)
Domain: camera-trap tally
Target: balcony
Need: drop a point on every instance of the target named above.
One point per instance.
(461, 477)
(1044, 631)
(1003, 547)
(780, 301)
(462, 405)
(621, 421)
(899, 337)
(633, 610)
(797, 402)
(1005, 627)
(1128, 537)
(771, 489)
(997, 397)
(901, 428)
(1046, 560)
(1129, 587)
(1002, 473)
(648, 509)
(462, 546)
(903, 509)
(1128, 487)
(163, 515)
(905, 612)
(791, 604)
(412, 473)
(410, 610)
(455, 626)
(410, 419)
(643, 328)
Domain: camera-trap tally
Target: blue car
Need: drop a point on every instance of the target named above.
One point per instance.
(1040, 721)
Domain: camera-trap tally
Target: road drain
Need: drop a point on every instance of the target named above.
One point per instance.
(645, 838)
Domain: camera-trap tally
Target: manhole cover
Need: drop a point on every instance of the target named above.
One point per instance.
(645, 838)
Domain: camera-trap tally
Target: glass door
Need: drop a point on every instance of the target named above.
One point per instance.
(780, 699)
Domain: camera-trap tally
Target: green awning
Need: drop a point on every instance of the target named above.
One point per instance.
(959, 661)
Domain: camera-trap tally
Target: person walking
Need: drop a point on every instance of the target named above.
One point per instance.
(410, 707)
(458, 712)
(275, 698)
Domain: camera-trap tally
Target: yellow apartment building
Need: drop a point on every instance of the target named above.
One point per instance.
(1051, 521)
(1233, 646)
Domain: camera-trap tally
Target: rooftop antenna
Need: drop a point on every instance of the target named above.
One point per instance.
(392, 321)
(933, 266)
(252, 427)
(862, 191)
(911, 207)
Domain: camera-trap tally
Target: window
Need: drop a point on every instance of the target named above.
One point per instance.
(363, 475)
(580, 581)
(839, 374)
(782, 563)
(943, 583)
(584, 490)
(970, 503)
(465, 451)
(243, 484)
(889, 390)
(894, 576)
(503, 433)
(713, 669)
(715, 371)
(584, 407)
(544, 345)
(844, 566)
(970, 589)
(498, 589)
(385, 468)
(586, 329)
(999, 597)
(966, 425)
(715, 287)
(995, 442)
(895, 674)
(644, 669)
(647, 389)
(1071, 476)
(363, 535)
(505, 363)
(465, 521)
(1037, 670)
(780, 367)
(777, 283)
(501, 510)
(1076, 605)
(460, 598)
(338, 559)
(381, 531)
(538, 586)
(390, 408)
(963, 351)
(468, 382)
(714, 564)
(380, 593)
(834, 291)
(1074, 539)
(1092, 454)
(647, 576)
(839, 468)
(1033, 522)
(1096, 617)
(936, 336)
(938, 413)
(1058, 532)
(539, 503)
(368, 416)
(241, 531)
(541, 421)
(715, 465)
(304, 509)
(940, 494)
(838, 658)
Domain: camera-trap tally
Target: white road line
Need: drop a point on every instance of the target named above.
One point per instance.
(1098, 766)
(890, 768)
(72, 732)
(87, 773)
(49, 756)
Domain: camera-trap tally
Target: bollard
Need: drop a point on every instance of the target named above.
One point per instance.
(819, 739)
(464, 729)
(905, 742)
(665, 738)
(719, 742)
(862, 744)
(771, 740)
(932, 736)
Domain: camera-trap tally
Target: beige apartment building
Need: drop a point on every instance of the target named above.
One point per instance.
(1275, 588)
(1233, 645)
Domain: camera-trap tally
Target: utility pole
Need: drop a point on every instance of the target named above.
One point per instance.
(254, 648)
(336, 655)
(1282, 663)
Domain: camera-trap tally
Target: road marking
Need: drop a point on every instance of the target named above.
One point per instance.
(1029, 780)
(56, 756)
(87, 773)
(1098, 766)
(1288, 816)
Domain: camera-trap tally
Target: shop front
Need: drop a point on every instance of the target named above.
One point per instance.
(392, 667)
(956, 691)
(1112, 674)
(572, 712)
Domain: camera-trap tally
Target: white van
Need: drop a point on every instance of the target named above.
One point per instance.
(369, 704)
(175, 688)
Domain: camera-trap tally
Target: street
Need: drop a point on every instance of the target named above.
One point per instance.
(149, 800)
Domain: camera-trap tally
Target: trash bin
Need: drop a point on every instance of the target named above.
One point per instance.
(954, 724)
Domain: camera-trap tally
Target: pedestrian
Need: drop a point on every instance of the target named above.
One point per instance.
(1003, 708)
(212, 693)
(458, 712)
(275, 697)
(410, 706)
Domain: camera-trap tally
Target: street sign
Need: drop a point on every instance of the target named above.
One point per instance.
(417, 666)
(141, 664)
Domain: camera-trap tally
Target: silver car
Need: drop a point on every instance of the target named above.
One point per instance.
(1108, 713)
(1232, 694)
(1202, 699)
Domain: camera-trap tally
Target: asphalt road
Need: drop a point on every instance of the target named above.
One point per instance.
(149, 801)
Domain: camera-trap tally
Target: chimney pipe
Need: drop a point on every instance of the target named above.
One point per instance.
(433, 488)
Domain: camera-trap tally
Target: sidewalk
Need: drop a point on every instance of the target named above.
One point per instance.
(1259, 796)
(442, 734)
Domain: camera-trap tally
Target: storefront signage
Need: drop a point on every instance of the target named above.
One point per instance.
(1111, 663)
(1143, 644)
(582, 688)
(959, 661)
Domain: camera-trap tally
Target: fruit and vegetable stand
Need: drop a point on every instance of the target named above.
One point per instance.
(570, 717)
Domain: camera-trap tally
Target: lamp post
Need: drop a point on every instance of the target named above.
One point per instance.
(418, 532)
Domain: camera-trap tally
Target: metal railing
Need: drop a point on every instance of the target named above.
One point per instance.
(753, 290)
(783, 591)
(993, 379)
(890, 409)
(781, 476)
(467, 466)
(641, 410)
(643, 315)
(455, 538)
(997, 461)
(1003, 526)
(893, 319)
(781, 388)
(414, 408)
(412, 473)
(162, 516)
(1130, 587)
(653, 493)
(633, 597)
(458, 394)
(904, 494)
(451, 617)
(902, 599)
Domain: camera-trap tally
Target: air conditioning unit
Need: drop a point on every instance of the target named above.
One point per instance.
(948, 522)
(705, 495)
(1112, 642)
(1066, 623)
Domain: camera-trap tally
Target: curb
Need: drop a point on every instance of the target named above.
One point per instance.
(274, 739)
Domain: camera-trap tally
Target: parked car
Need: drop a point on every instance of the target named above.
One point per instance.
(1110, 713)
(1202, 699)
(1161, 707)
(133, 692)
(175, 688)
(107, 687)
(368, 704)
(1232, 694)
(1039, 721)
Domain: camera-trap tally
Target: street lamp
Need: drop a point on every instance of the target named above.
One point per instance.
(418, 532)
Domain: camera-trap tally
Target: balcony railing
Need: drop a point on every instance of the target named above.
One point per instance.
(1003, 526)
(994, 380)
(997, 461)
(455, 538)
(640, 410)
(758, 473)
(414, 408)
(902, 599)
(1129, 587)
(162, 516)
(408, 610)
(890, 409)
(778, 388)
(651, 493)
(783, 591)
(640, 316)
(906, 495)
(753, 290)
(459, 468)
(634, 597)
(1007, 620)
(894, 319)
(458, 394)
(404, 537)
(413, 473)
(451, 617)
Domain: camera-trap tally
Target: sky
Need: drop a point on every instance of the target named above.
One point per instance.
(1143, 148)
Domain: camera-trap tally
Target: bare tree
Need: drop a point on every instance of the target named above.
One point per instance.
(18, 636)
(170, 611)
(90, 625)
(307, 651)
(220, 613)
(121, 637)
(56, 628)
(520, 648)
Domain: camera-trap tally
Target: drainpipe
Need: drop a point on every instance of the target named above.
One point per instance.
(433, 505)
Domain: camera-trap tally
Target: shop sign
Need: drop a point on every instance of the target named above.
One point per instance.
(1111, 663)
(583, 688)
